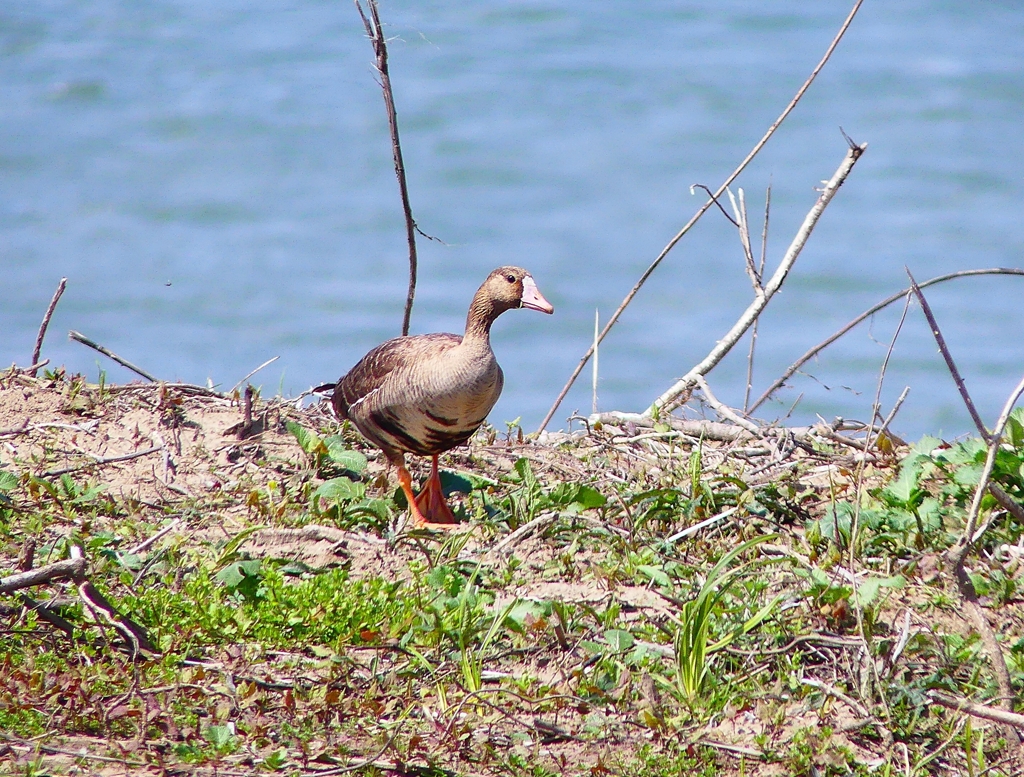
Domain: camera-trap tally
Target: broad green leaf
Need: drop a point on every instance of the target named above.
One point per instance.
(8, 482)
(344, 457)
(340, 490)
(619, 640)
(308, 440)
(524, 609)
(219, 736)
(452, 482)
(867, 591)
(655, 574)
(233, 575)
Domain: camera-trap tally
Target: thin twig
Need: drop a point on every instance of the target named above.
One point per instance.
(106, 352)
(722, 409)
(46, 322)
(701, 211)
(375, 32)
(243, 380)
(761, 299)
(760, 274)
(97, 461)
(792, 369)
(950, 364)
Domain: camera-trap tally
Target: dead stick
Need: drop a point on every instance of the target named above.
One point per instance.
(48, 615)
(703, 209)
(376, 34)
(106, 352)
(950, 364)
(100, 461)
(978, 710)
(867, 314)
(67, 569)
(46, 322)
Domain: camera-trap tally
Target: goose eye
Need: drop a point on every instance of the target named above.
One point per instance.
(510, 278)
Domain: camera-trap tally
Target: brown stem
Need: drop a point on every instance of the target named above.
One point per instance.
(42, 327)
(375, 32)
(79, 337)
(950, 364)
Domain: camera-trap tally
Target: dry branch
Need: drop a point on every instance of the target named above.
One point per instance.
(764, 295)
(375, 32)
(700, 212)
(46, 322)
(98, 461)
(950, 364)
(79, 337)
(978, 710)
(69, 569)
(965, 586)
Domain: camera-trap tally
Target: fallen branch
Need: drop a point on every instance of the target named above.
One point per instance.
(965, 586)
(79, 337)
(764, 296)
(69, 569)
(101, 461)
(713, 200)
(42, 327)
(978, 710)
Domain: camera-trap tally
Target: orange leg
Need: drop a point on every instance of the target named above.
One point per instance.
(429, 509)
(431, 500)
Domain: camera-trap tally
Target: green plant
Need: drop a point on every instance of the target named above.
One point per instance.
(693, 643)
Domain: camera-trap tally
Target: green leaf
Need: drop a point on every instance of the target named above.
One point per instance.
(619, 640)
(308, 440)
(219, 736)
(340, 490)
(656, 575)
(868, 591)
(524, 609)
(452, 482)
(344, 457)
(237, 575)
(574, 493)
(1015, 428)
(8, 482)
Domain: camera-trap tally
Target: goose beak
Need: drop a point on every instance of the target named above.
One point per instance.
(533, 299)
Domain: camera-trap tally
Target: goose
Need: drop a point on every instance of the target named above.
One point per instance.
(426, 394)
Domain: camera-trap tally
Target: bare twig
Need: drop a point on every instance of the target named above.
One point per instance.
(68, 569)
(243, 380)
(950, 364)
(760, 274)
(701, 211)
(97, 347)
(978, 710)
(46, 322)
(723, 410)
(375, 32)
(101, 461)
(792, 369)
(762, 297)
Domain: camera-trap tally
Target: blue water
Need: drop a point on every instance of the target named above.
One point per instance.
(215, 180)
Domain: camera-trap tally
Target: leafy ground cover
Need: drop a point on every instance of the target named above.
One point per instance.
(619, 600)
